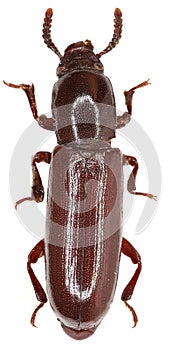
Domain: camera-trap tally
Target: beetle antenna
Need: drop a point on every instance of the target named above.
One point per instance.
(116, 34)
(47, 32)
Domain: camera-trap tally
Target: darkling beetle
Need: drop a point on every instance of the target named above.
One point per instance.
(83, 241)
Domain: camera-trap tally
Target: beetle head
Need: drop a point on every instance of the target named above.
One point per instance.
(80, 55)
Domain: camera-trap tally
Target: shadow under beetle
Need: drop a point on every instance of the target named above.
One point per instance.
(83, 240)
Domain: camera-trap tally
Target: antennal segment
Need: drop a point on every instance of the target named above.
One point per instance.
(47, 32)
(116, 34)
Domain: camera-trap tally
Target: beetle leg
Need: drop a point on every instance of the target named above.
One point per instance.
(129, 95)
(37, 187)
(131, 186)
(132, 253)
(36, 253)
(43, 121)
(124, 119)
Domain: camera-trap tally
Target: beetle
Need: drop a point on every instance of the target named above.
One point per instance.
(83, 241)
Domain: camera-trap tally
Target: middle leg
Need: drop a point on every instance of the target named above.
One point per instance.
(37, 186)
(131, 186)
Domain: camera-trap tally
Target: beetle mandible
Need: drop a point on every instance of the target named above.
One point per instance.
(83, 241)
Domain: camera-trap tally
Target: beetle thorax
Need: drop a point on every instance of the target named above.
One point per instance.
(79, 56)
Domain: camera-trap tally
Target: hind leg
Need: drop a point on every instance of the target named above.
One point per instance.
(131, 252)
(36, 253)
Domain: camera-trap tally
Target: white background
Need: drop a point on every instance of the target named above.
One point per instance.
(144, 52)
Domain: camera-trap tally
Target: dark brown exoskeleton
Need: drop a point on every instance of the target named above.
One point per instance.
(83, 241)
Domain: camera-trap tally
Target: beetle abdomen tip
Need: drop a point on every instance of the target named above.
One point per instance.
(78, 334)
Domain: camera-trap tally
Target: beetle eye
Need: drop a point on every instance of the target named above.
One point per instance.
(59, 70)
(98, 66)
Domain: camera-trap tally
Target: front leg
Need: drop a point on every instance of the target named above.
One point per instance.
(124, 119)
(37, 188)
(131, 186)
(43, 121)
